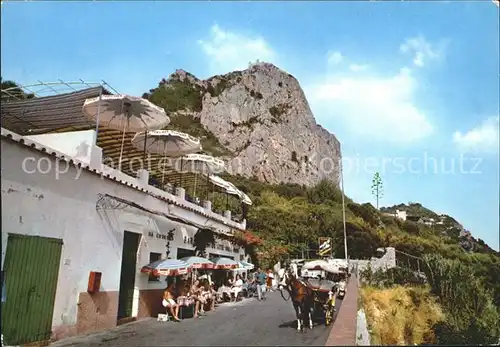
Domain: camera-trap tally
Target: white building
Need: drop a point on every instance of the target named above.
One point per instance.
(401, 215)
(63, 219)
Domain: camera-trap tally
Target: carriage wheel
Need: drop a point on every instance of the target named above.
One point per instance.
(328, 315)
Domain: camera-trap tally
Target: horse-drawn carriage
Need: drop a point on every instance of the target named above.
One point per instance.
(315, 291)
(327, 280)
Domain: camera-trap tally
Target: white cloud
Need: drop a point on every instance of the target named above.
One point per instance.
(229, 51)
(357, 67)
(422, 50)
(379, 108)
(483, 138)
(376, 107)
(334, 58)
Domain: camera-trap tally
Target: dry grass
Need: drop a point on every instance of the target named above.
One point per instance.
(401, 315)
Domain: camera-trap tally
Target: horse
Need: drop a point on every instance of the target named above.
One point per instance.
(302, 298)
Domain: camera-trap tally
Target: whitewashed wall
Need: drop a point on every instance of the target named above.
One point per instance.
(65, 208)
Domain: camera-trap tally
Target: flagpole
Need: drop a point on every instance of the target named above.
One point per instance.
(343, 206)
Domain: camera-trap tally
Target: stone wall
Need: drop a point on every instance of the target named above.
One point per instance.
(387, 261)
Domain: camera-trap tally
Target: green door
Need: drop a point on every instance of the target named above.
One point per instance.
(127, 275)
(31, 269)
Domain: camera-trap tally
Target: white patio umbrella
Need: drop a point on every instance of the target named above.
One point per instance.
(199, 164)
(229, 188)
(169, 143)
(244, 198)
(223, 263)
(167, 267)
(222, 183)
(125, 113)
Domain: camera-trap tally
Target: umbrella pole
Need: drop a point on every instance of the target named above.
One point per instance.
(180, 177)
(194, 188)
(98, 116)
(145, 142)
(227, 201)
(207, 191)
(121, 150)
(163, 167)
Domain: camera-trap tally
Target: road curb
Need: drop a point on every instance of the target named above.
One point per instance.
(343, 332)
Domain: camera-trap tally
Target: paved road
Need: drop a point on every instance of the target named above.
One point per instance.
(249, 322)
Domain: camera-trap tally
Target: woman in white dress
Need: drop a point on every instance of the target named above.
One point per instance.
(237, 287)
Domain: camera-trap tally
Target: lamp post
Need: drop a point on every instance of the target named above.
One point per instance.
(343, 204)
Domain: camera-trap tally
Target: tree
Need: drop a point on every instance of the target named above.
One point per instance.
(377, 187)
(12, 91)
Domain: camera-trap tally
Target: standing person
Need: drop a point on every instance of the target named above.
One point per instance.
(260, 279)
(269, 280)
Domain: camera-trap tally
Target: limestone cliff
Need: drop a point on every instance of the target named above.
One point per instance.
(258, 120)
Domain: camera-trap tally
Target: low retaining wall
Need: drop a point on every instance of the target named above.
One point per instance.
(343, 332)
(362, 333)
(387, 261)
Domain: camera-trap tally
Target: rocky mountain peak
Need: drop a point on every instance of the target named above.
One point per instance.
(257, 119)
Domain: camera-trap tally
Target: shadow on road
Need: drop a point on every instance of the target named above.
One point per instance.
(291, 324)
(318, 319)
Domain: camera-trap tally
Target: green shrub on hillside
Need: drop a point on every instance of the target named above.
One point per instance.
(178, 95)
(471, 315)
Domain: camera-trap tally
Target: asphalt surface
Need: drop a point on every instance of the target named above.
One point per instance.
(249, 322)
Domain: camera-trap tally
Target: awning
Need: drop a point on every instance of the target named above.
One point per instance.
(50, 113)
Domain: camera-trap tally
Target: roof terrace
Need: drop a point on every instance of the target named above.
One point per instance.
(50, 114)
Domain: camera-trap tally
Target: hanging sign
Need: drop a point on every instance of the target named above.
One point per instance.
(325, 246)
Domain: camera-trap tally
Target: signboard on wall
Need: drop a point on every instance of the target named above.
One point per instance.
(325, 246)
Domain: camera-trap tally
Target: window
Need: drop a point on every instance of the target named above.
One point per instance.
(152, 258)
(183, 252)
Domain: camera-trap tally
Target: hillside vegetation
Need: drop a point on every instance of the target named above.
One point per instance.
(461, 300)
(454, 305)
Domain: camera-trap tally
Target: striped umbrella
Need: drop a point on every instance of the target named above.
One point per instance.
(198, 262)
(167, 267)
(223, 263)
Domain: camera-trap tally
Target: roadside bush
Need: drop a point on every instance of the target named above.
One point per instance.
(401, 315)
(471, 316)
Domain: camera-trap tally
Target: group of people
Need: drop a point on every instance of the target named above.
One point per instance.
(187, 292)
(205, 294)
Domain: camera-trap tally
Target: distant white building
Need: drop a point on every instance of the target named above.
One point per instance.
(401, 215)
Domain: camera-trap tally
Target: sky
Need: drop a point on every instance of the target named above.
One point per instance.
(410, 89)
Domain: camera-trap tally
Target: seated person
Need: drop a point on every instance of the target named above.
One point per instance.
(237, 287)
(223, 292)
(195, 293)
(206, 293)
(213, 293)
(169, 302)
(183, 298)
